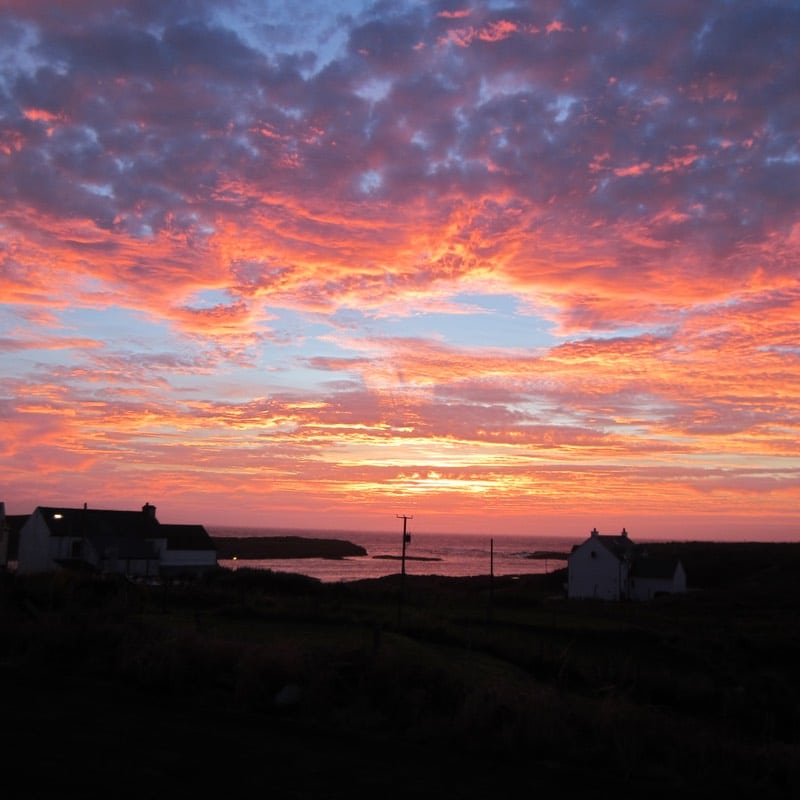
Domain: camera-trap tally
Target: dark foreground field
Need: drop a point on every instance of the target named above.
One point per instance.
(254, 682)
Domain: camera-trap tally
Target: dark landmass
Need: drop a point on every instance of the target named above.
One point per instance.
(258, 681)
(555, 555)
(408, 558)
(261, 547)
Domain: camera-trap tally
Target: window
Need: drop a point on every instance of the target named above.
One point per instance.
(76, 551)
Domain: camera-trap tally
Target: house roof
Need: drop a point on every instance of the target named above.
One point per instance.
(111, 534)
(16, 521)
(620, 545)
(100, 526)
(187, 537)
(94, 522)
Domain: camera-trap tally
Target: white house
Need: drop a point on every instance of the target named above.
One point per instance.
(131, 543)
(614, 568)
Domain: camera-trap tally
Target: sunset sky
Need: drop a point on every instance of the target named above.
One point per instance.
(507, 267)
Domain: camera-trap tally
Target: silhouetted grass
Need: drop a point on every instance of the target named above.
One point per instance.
(501, 685)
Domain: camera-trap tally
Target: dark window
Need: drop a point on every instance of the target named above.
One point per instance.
(77, 549)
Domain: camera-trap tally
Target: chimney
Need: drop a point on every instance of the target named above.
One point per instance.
(624, 532)
(149, 510)
(594, 532)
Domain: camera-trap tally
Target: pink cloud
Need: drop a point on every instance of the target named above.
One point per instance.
(627, 182)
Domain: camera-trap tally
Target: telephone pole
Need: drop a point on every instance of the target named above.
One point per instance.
(491, 580)
(406, 540)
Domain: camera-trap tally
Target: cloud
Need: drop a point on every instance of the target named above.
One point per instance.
(209, 216)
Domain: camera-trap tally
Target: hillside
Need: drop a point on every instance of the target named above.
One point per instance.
(463, 687)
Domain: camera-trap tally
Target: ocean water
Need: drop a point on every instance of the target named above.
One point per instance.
(456, 555)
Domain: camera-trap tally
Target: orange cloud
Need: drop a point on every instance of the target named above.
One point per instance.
(510, 277)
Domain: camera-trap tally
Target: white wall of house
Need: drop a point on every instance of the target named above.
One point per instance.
(679, 579)
(38, 550)
(595, 572)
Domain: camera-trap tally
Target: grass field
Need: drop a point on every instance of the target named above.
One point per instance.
(253, 681)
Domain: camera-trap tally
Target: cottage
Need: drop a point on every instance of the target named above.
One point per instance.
(614, 568)
(131, 543)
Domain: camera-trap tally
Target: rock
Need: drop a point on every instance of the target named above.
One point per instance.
(288, 696)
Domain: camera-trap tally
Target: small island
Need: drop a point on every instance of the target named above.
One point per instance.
(408, 558)
(262, 547)
(551, 554)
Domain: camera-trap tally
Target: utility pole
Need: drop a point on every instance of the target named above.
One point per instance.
(406, 540)
(491, 581)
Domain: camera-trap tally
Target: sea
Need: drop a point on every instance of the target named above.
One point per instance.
(447, 554)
